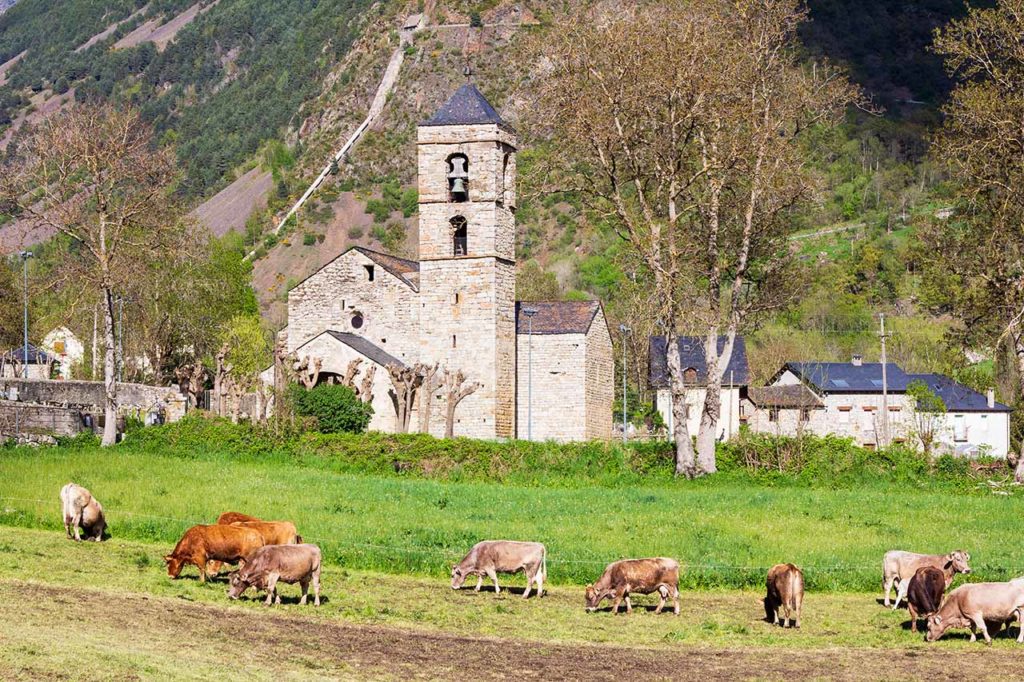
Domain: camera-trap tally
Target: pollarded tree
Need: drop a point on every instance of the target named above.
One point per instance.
(684, 126)
(92, 173)
(929, 415)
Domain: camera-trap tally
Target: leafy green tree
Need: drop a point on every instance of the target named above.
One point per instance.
(336, 408)
(533, 283)
(929, 415)
(10, 308)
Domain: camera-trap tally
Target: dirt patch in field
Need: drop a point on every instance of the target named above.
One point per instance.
(283, 641)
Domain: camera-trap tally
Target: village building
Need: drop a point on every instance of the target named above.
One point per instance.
(538, 369)
(66, 349)
(12, 363)
(693, 362)
(846, 399)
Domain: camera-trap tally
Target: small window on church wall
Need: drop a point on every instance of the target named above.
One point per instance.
(453, 341)
(456, 298)
(458, 177)
(460, 236)
(369, 272)
(357, 321)
(504, 179)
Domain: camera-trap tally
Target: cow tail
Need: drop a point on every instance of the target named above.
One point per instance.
(544, 563)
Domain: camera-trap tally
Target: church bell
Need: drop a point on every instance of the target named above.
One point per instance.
(457, 177)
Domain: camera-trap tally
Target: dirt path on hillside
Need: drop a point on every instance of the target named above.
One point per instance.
(283, 642)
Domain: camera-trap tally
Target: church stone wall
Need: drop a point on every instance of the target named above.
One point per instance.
(559, 386)
(600, 382)
(330, 298)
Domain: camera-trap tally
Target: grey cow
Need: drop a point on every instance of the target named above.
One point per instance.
(285, 563)
(492, 557)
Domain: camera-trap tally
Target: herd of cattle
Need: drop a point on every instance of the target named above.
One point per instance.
(269, 552)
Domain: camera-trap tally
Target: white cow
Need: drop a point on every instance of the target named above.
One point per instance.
(83, 512)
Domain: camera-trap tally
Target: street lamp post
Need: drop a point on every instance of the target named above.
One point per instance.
(529, 312)
(625, 334)
(25, 255)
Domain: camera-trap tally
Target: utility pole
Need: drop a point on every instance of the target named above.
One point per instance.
(119, 361)
(884, 421)
(25, 255)
(529, 312)
(625, 420)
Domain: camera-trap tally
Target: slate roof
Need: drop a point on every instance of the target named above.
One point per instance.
(956, 396)
(402, 268)
(36, 356)
(366, 348)
(691, 355)
(557, 317)
(466, 107)
(790, 396)
(846, 377)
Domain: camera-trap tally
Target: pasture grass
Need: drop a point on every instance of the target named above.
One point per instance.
(726, 532)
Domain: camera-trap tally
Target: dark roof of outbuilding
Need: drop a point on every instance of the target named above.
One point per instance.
(466, 107)
(366, 348)
(402, 268)
(36, 356)
(956, 396)
(790, 396)
(691, 356)
(556, 317)
(846, 377)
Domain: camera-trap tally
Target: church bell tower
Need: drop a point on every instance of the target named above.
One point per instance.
(467, 172)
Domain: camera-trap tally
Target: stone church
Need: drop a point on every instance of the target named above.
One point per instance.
(542, 370)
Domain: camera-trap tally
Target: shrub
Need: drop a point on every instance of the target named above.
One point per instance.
(336, 408)
(355, 232)
(308, 239)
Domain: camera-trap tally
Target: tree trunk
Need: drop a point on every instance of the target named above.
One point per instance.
(685, 461)
(711, 414)
(109, 379)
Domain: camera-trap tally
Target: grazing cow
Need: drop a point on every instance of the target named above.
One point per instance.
(900, 567)
(492, 557)
(924, 593)
(286, 563)
(273, 532)
(636, 575)
(972, 605)
(785, 592)
(83, 512)
(227, 518)
(201, 544)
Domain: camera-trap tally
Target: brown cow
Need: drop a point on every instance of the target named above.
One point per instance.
(786, 592)
(273, 532)
(227, 518)
(201, 544)
(924, 594)
(636, 575)
(973, 604)
(287, 563)
(82, 512)
(900, 567)
(492, 557)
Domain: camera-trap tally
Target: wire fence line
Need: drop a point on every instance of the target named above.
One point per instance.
(454, 554)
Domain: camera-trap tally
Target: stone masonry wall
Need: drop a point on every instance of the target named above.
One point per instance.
(600, 380)
(330, 298)
(90, 395)
(559, 386)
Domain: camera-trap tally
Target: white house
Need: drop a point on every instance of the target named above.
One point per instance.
(846, 399)
(693, 362)
(67, 349)
(12, 363)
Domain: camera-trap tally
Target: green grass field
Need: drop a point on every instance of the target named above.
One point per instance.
(725, 532)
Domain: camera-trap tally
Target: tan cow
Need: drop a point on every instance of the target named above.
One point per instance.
(899, 567)
(492, 557)
(973, 604)
(273, 532)
(202, 544)
(642, 576)
(227, 518)
(82, 512)
(785, 592)
(285, 563)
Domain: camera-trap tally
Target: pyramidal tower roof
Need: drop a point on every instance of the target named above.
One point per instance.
(466, 107)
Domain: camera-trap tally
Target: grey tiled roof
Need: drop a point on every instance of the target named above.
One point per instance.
(466, 107)
(956, 396)
(366, 348)
(691, 356)
(846, 377)
(556, 317)
(404, 269)
(36, 356)
(791, 396)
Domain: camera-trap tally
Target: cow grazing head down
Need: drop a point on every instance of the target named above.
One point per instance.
(936, 628)
(458, 577)
(592, 598)
(238, 585)
(958, 560)
(174, 565)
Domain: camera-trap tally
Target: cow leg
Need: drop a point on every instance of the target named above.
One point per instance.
(887, 587)
(271, 588)
(901, 593)
(493, 575)
(479, 582)
(76, 521)
(913, 616)
(67, 525)
(304, 584)
(629, 604)
(675, 600)
(1020, 626)
(616, 602)
(539, 577)
(529, 586)
(663, 594)
(316, 587)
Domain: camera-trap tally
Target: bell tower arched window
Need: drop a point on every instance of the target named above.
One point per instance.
(458, 177)
(460, 236)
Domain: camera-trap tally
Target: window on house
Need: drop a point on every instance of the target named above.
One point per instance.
(844, 414)
(460, 236)
(959, 428)
(369, 272)
(773, 414)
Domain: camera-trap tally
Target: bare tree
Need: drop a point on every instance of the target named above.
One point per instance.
(366, 385)
(192, 378)
(456, 388)
(406, 382)
(683, 125)
(350, 373)
(431, 382)
(220, 387)
(309, 371)
(91, 173)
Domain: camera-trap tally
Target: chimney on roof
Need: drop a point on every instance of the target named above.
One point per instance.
(857, 360)
(990, 394)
